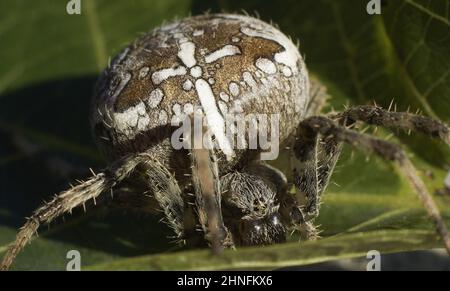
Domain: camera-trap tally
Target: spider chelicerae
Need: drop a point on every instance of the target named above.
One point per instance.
(222, 196)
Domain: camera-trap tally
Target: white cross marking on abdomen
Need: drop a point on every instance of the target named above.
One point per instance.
(213, 117)
(204, 91)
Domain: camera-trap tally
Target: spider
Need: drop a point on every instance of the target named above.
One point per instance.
(222, 196)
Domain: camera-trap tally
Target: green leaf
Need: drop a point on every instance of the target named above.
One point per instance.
(50, 61)
(283, 255)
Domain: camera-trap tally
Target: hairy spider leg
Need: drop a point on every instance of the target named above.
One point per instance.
(386, 150)
(205, 178)
(69, 199)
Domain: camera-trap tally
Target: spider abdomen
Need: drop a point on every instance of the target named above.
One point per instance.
(224, 64)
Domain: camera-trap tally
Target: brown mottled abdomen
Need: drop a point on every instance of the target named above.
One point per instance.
(227, 64)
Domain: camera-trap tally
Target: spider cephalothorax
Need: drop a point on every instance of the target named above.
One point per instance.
(253, 219)
(218, 66)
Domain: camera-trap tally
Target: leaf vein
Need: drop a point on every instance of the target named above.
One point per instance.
(96, 34)
(429, 12)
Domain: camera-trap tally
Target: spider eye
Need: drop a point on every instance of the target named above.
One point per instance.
(251, 227)
(257, 226)
(275, 220)
(264, 231)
